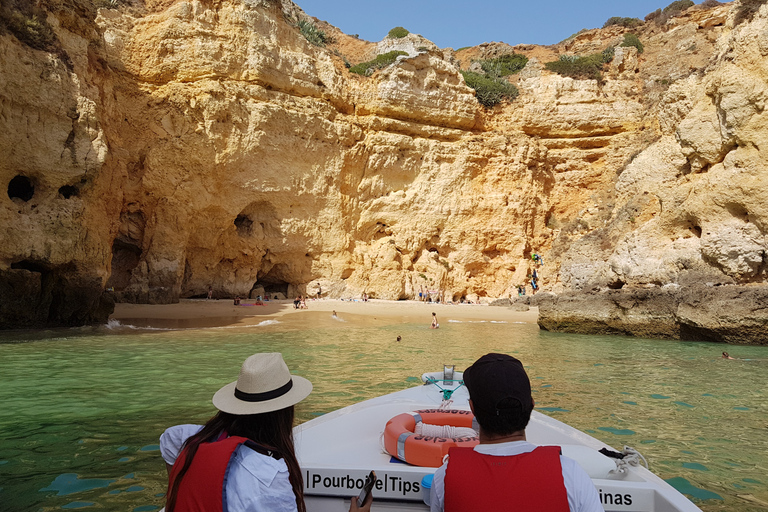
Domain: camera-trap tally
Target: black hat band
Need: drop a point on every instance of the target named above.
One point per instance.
(267, 395)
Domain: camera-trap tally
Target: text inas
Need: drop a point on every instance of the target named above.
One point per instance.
(607, 498)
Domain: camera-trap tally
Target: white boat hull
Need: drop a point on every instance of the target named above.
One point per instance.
(337, 450)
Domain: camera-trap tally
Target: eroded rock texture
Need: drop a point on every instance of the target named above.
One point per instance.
(163, 147)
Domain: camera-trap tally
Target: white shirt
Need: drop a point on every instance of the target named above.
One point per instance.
(582, 495)
(253, 483)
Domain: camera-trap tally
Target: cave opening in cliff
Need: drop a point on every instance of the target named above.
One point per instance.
(243, 223)
(274, 287)
(125, 257)
(275, 281)
(21, 187)
(31, 266)
(68, 191)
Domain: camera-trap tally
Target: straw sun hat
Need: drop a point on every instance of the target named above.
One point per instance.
(265, 384)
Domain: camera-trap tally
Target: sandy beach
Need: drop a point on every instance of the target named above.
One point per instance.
(193, 313)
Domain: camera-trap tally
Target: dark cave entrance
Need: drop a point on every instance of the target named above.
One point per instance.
(125, 257)
(21, 187)
(274, 281)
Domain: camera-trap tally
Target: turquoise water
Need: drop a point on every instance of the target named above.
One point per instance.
(82, 409)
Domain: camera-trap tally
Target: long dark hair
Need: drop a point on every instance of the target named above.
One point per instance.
(272, 430)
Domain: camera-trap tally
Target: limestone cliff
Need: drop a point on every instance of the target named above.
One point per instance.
(161, 147)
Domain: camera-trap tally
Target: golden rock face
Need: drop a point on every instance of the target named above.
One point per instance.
(192, 144)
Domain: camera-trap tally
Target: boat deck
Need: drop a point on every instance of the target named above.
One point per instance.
(337, 450)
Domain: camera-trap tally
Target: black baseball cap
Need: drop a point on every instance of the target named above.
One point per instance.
(498, 383)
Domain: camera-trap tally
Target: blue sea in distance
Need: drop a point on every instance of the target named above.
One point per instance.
(82, 409)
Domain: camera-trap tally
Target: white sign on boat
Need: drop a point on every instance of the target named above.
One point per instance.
(337, 450)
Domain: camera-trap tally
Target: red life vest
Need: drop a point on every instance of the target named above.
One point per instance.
(202, 488)
(527, 482)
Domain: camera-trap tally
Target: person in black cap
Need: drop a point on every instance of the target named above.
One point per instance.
(504, 471)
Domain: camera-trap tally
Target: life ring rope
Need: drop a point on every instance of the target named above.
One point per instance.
(420, 449)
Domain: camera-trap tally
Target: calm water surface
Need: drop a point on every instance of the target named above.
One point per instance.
(81, 410)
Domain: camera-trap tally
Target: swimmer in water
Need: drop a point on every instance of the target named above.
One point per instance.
(726, 356)
(434, 325)
(334, 314)
(399, 338)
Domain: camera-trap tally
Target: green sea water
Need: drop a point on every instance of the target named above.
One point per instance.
(81, 410)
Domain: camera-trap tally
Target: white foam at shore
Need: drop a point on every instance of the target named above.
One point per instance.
(482, 322)
(114, 324)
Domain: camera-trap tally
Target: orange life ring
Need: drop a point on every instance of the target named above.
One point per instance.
(400, 440)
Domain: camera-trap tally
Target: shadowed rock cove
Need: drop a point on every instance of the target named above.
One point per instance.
(155, 148)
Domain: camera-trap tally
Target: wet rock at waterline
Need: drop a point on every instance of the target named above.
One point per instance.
(730, 314)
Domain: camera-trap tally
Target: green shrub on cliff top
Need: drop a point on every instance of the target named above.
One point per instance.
(677, 6)
(746, 10)
(29, 27)
(313, 34)
(632, 40)
(623, 22)
(589, 67)
(398, 33)
(490, 91)
(381, 61)
(504, 65)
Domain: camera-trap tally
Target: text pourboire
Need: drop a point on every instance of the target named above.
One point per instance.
(390, 485)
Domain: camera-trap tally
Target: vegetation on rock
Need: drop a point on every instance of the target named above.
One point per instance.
(589, 67)
(313, 34)
(490, 86)
(29, 27)
(504, 65)
(398, 33)
(623, 22)
(632, 40)
(490, 90)
(677, 6)
(660, 16)
(746, 10)
(381, 61)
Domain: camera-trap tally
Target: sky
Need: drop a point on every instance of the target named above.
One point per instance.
(455, 24)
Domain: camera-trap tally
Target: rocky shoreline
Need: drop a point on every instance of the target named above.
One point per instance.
(729, 314)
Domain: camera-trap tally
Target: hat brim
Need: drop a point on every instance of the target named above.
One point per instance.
(225, 400)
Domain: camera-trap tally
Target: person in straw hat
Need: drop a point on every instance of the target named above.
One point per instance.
(243, 459)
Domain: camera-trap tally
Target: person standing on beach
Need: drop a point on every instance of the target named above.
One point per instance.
(210, 292)
(434, 325)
